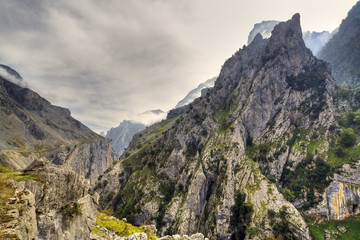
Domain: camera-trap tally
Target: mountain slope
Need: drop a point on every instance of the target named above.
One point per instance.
(343, 50)
(207, 170)
(31, 127)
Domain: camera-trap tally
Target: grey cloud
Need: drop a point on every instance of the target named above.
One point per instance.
(109, 60)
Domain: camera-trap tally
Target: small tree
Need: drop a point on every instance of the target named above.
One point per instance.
(349, 204)
(347, 137)
(288, 194)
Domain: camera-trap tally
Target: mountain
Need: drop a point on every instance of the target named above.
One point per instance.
(31, 128)
(122, 135)
(238, 160)
(196, 92)
(343, 50)
(316, 40)
(264, 28)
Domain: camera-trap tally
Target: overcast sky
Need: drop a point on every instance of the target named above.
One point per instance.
(109, 60)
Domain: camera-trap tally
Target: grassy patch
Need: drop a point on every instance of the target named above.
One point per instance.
(7, 173)
(7, 191)
(351, 224)
(121, 228)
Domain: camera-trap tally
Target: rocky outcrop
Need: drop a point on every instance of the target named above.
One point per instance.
(23, 225)
(342, 198)
(56, 207)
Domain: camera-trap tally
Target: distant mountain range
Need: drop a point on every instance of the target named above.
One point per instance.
(122, 134)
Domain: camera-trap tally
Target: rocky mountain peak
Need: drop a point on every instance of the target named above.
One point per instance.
(288, 35)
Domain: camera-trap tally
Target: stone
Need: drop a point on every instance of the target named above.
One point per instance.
(342, 229)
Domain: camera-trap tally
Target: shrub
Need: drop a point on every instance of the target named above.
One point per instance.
(347, 138)
(288, 194)
(339, 151)
(272, 179)
(241, 214)
(71, 209)
(271, 213)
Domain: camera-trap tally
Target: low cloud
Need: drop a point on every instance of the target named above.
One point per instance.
(10, 77)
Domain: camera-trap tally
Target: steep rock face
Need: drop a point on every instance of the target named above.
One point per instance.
(186, 172)
(88, 159)
(31, 128)
(342, 51)
(59, 189)
(342, 197)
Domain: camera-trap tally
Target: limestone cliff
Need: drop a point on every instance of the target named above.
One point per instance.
(212, 168)
(56, 207)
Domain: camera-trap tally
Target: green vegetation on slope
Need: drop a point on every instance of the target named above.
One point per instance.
(338, 229)
(7, 191)
(120, 227)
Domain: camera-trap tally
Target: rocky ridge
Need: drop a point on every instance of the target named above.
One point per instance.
(194, 165)
(31, 128)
